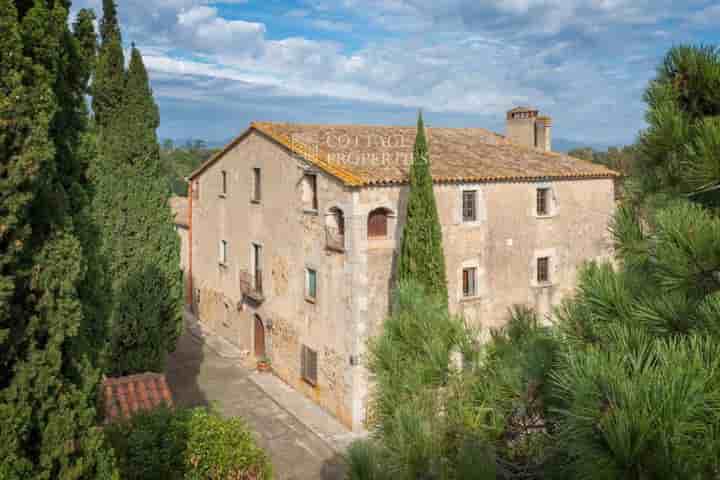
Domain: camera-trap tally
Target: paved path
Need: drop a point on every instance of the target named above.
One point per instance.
(199, 376)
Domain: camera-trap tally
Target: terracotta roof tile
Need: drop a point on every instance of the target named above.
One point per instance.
(125, 396)
(362, 155)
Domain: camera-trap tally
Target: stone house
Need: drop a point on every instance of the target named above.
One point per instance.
(294, 232)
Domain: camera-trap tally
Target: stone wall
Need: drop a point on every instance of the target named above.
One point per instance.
(292, 239)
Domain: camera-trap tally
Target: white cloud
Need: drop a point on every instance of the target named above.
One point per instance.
(585, 62)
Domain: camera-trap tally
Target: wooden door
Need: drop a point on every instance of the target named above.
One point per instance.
(259, 337)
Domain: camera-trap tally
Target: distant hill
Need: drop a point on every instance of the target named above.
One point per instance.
(564, 145)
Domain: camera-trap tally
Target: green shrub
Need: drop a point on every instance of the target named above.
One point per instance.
(194, 444)
(222, 449)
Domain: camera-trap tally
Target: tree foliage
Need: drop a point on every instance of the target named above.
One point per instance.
(47, 375)
(421, 252)
(138, 236)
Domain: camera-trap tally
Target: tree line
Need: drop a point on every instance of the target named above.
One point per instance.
(90, 283)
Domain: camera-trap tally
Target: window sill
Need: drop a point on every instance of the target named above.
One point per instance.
(471, 224)
(223, 264)
(255, 202)
(310, 300)
(543, 284)
(310, 211)
(471, 299)
(549, 215)
(222, 195)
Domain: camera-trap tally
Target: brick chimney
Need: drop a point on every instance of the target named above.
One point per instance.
(526, 128)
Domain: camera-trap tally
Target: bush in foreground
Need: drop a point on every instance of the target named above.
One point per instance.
(195, 444)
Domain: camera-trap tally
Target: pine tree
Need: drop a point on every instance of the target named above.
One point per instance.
(109, 79)
(681, 145)
(47, 380)
(138, 232)
(421, 253)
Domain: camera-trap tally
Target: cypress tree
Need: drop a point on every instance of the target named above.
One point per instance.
(421, 254)
(47, 381)
(138, 233)
(109, 79)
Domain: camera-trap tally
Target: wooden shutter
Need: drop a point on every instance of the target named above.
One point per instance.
(308, 365)
(377, 224)
(543, 270)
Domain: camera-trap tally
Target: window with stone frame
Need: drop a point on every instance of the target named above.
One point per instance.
(377, 226)
(469, 205)
(257, 186)
(543, 201)
(310, 284)
(308, 365)
(310, 194)
(223, 253)
(469, 282)
(543, 270)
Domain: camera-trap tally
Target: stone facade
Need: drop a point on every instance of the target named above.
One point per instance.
(353, 282)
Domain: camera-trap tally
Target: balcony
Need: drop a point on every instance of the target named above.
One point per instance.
(334, 239)
(251, 285)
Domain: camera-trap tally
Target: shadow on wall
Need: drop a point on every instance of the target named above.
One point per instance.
(182, 372)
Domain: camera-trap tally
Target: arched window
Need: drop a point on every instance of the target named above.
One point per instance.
(378, 223)
(337, 220)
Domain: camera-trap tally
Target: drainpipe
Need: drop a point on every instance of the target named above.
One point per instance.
(189, 292)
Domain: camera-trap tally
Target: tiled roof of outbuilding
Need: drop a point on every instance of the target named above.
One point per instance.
(361, 155)
(125, 396)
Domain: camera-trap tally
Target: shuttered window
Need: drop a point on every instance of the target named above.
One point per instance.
(223, 187)
(257, 184)
(378, 223)
(468, 205)
(543, 270)
(469, 282)
(308, 365)
(543, 196)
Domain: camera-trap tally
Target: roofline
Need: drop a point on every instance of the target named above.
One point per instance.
(207, 163)
(349, 178)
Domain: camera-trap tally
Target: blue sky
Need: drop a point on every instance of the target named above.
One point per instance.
(216, 66)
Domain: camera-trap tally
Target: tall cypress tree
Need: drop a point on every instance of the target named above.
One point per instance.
(421, 254)
(47, 381)
(109, 79)
(138, 233)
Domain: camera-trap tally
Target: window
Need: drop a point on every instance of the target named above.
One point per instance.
(543, 270)
(377, 223)
(196, 190)
(468, 205)
(223, 253)
(308, 365)
(223, 186)
(310, 284)
(257, 267)
(309, 193)
(469, 280)
(543, 201)
(256, 191)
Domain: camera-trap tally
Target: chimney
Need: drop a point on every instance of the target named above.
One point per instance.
(526, 128)
(543, 137)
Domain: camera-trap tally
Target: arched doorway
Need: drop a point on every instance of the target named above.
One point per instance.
(259, 337)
